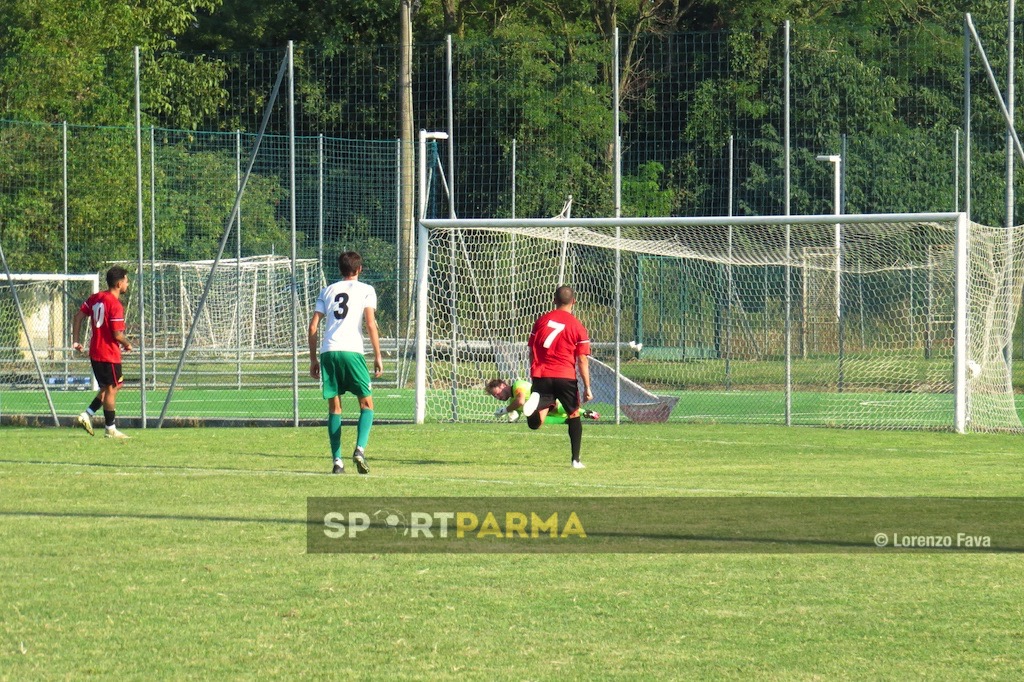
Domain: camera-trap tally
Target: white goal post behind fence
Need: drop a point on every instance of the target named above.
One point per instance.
(47, 302)
(726, 314)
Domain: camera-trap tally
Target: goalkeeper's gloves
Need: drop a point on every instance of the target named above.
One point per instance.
(512, 416)
(500, 411)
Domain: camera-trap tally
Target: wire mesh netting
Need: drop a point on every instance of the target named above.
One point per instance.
(868, 308)
(703, 133)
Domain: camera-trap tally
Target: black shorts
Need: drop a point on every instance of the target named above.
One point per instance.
(107, 373)
(565, 391)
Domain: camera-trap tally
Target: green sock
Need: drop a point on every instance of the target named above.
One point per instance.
(334, 433)
(363, 430)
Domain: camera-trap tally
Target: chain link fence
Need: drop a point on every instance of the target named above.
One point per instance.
(702, 125)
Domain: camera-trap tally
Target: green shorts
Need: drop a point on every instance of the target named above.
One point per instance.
(344, 372)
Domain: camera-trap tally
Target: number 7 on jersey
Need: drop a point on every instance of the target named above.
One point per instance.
(556, 329)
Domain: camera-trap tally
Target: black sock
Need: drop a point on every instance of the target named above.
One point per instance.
(95, 405)
(575, 436)
(108, 418)
(533, 421)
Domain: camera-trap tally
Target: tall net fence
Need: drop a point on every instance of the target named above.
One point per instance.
(702, 129)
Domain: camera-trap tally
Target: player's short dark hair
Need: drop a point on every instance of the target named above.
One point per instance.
(564, 295)
(115, 275)
(349, 263)
(493, 384)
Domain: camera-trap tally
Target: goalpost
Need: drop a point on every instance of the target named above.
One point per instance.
(45, 306)
(247, 315)
(927, 302)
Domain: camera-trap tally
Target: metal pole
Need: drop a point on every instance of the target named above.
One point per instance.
(400, 329)
(294, 226)
(513, 179)
(960, 397)
(140, 277)
(152, 250)
(64, 201)
(421, 280)
(728, 275)
(967, 116)
(512, 271)
(451, 129)
(1010, 49)
(956, 170)
(320, 199)
(789, 242)
(618, 236)
(238, 266)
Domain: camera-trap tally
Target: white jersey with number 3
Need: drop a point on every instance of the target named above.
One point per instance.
(343, 304)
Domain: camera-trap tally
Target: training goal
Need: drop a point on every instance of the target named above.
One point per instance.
(248, 308)
(35, 320)
(871, 321)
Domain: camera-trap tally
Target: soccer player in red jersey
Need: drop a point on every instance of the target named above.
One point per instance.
(557, 344)
(106, 320)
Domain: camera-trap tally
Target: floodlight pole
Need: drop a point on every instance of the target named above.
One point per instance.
(421, 279)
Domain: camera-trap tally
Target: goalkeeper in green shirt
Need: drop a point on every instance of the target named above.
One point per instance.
(516, 396)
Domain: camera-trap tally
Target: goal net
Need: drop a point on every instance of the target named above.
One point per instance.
(248, 309)
(741, 320)
(48, 303)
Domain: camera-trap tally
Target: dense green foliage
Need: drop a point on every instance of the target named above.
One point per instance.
(881, 82)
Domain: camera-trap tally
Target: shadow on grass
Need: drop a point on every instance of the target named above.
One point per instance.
(608, 542)
(150, 517)
(163, 467)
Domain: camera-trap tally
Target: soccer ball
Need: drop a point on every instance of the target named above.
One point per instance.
(393, 520)
(974, 368)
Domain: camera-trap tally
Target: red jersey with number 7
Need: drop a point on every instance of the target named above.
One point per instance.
(557, 339)
(106, 316)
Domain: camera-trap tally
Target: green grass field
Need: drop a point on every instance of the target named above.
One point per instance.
(894, 410)
(181, 554)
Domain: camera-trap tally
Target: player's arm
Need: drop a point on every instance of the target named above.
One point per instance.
(76, 330)
(116, 322)
(370, 319)
(584, 363)
(311, 337)
(529, 347)
(122, 339)
(519, 398)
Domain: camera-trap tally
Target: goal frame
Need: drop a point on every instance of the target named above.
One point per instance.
(7, 278)
(958, 420)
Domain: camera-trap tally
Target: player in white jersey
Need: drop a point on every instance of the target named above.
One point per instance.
(344, 307)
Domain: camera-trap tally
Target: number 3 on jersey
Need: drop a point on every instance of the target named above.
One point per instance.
(556, 329)
(342, 310)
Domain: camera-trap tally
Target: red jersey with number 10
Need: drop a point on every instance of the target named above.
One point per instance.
(557, 339)
(106, 316)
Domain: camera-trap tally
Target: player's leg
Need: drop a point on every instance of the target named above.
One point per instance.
(329, 382)
(84, 420)
(359, 384)
(110, 379)
(541, 401)
(567, 393)
(556, 415)
(334, 433)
